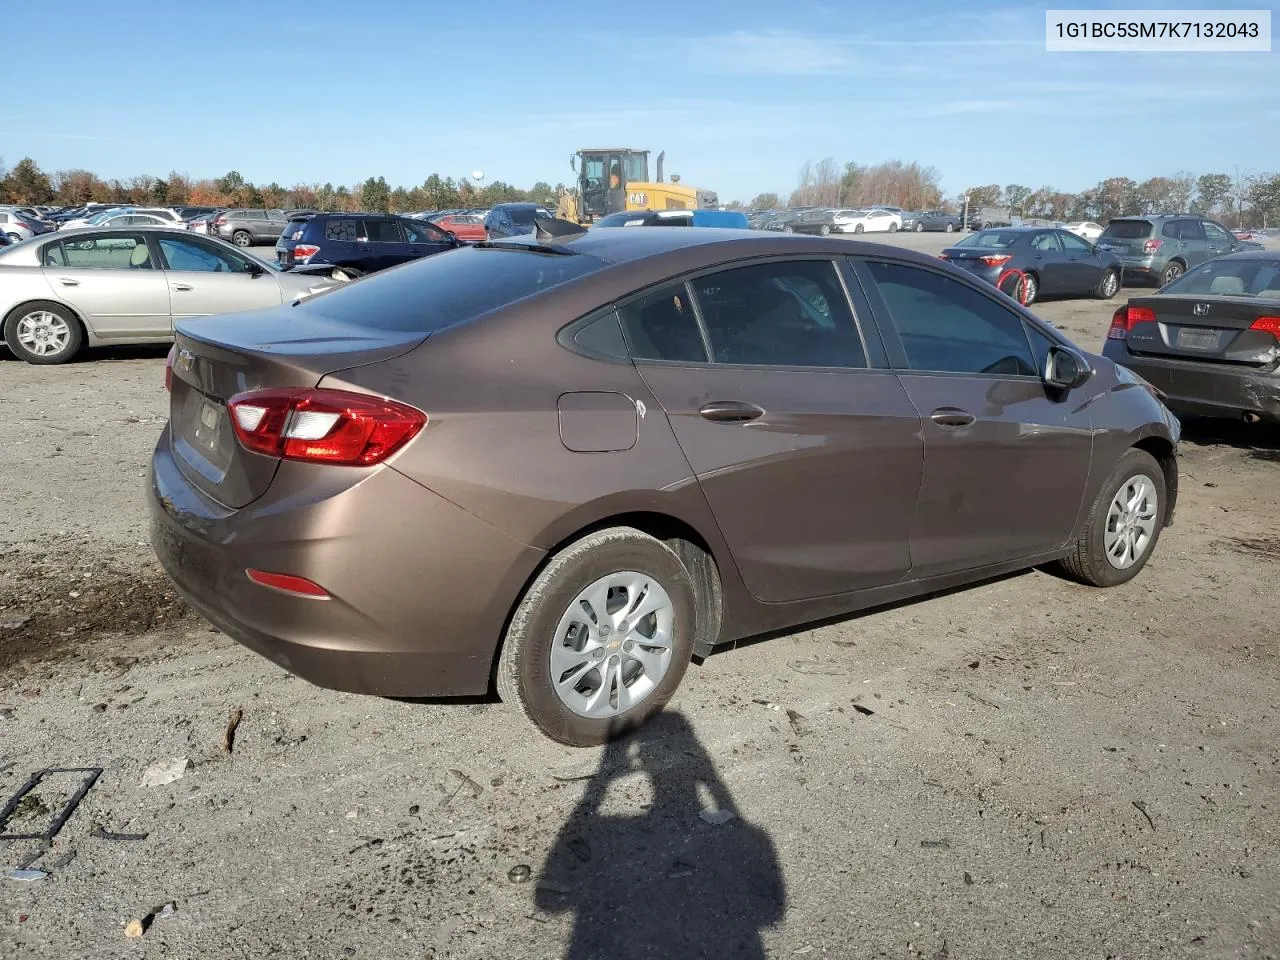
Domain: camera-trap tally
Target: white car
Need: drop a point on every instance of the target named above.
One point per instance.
(1087, 229)
(13, 227)
(163, 215)
(114, 219)
(866, 221)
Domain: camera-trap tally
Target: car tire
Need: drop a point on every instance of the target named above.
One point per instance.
(1028, 290)
(857, 228)
(1137, 477)
(950, 228)
(919, 228)
(55, 329)
(893, 228)
(14, 237)
(617, 565)
(824, 230)
(788, 229)
(351, 273)
(242, 238)
(1108, 285)
(1172, 272)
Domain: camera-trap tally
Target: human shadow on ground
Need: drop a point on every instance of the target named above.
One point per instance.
(660, 880)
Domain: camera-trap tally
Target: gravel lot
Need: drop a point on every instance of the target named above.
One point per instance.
(1024, 768)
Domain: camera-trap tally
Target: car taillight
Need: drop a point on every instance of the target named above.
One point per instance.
(996, 259)
(1126, 318)
(1269, 325)
(305, 251)
(1151, 246)
(323, 426)
(220, 221)
(943, 256)
(287, 582)
(168, 369)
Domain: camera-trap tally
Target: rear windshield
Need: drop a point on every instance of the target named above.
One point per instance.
(524, 217)
(449, 288)
(1128, 229)
(1231, 278)
(990, 238)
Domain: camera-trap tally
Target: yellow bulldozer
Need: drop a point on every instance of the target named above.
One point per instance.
(616, 179)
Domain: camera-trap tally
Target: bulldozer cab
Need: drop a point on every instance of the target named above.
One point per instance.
(603, 175)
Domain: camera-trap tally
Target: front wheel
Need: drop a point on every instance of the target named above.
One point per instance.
(346, 273)
(824, 230)
(919, 228)
(858, 228)
(601, 639)
(1124, 524)
(893, 228)
(43, 333)
(14, 237)
(241, 238)
(1108, 285)
(950, 228)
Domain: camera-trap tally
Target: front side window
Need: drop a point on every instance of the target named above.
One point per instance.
(946, 326)
(382, 231)
(791, 313)
(184, 254)
(1075, 244)
(418, 232)
(1216, 233)
(661, 325)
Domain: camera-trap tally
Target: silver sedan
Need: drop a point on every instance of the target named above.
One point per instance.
(62, 292)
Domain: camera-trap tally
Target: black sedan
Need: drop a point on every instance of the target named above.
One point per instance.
(1030, 262)
(936, 220)
(1209, 340)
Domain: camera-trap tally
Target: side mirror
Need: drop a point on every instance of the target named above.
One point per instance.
(253, 270)
(1065, 369)
(453, 238)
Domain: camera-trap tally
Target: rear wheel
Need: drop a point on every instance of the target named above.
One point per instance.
(893, 228)
(950, 228)
(241, 238)
(15, 237)
(1171, 273)
(347, 273)
(1123, 526)
(1108, 285)
(824, 230)
(43, 333)
(857, 228)
(1028, 290)
(601, 639)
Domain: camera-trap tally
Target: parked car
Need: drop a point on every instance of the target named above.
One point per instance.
(245, 227)
(1209, 339)
(783, 221)
(114, 219)
(467, 227)
(476, 467)
(190, 213)
(200, 223)
(724, 219)
(359, 243)
(15, 226)
(1163, 247)
(938, 220)
(984, 218)
(93, 287)
(1086, 229)
(512, 219)
(877, 220)
(1030, 262)
(97, 217)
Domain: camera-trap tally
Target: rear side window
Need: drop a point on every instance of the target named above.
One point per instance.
(442, 291)
(347, 231)
(1191, 230)
(1171, 230)
(948, 327)
(788, 314)
(661, 325)
(383, 231)
(1128, 229)
(522, 217)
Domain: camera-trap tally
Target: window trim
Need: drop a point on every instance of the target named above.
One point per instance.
(689, 277)
(893, 339)
(566, 334)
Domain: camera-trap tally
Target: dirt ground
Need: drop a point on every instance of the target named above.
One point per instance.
(1023, 768)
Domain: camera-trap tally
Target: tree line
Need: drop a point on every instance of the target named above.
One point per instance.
(26, 183)
(1241, 200)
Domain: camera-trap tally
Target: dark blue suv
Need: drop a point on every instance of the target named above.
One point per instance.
(359, 243)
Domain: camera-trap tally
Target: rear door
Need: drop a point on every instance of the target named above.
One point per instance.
(805, 444)
(1048, 259)
(110, 278)
(204, 279)
(1005, 465)
(386, 242)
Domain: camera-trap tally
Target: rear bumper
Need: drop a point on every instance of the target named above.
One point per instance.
(416, 609)
(1204, 389)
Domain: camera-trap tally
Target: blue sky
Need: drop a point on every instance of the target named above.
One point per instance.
(738, 94)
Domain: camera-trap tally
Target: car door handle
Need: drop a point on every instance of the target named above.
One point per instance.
(182, 286)
(951, 417)
(730, 411)
(68, 282)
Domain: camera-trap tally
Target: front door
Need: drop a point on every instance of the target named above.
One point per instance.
(206, 279)
(1084, 263)
(1218, 241)
(1005, 463)
(809, 455)
(112, 281)
(1048, 260)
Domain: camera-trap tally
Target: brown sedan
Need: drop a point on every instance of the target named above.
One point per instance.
(566, 466)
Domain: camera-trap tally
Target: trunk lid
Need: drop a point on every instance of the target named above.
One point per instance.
(1126, 237)
(1206, 328)
(216, 358)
